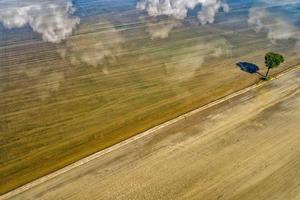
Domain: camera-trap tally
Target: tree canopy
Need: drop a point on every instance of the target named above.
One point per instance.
(273, 60)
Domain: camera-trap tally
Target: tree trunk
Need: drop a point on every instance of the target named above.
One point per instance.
(261, 74)
(267, 73)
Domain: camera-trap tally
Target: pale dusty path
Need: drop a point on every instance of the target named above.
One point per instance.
(245, 148)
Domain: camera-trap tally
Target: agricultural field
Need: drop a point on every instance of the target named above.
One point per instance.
(245, 147)
(119, 73)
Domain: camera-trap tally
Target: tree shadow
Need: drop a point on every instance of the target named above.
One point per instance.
(249, 68)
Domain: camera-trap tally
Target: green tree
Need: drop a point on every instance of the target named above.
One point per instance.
(272, 60)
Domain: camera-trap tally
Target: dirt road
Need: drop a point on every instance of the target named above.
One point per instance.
(245, 148)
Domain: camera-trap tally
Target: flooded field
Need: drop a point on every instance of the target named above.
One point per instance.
(79, 76)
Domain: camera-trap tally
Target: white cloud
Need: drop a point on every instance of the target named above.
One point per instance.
(209, 10)
(275, 27)
(52, 19)
(179, 8)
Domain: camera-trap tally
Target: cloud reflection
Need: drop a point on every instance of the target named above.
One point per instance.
(160, 29)
(276, 28)
(44, 81)
(101, 47)
(190, 59)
